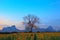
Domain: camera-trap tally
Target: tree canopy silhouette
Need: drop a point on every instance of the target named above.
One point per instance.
(31, 20)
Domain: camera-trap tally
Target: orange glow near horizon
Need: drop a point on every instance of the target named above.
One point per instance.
(1, 27)
(7, 22)
(21, 23)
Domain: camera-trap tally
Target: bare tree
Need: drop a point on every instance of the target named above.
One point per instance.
(31, 20)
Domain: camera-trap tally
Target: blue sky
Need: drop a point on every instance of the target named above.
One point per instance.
(12, 11)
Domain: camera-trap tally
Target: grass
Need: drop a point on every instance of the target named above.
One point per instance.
(30, 36)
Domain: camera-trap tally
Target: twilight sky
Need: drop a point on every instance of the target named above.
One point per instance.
(12, 11)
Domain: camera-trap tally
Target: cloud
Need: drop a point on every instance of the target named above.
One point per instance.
(20, 26)
(7, 21)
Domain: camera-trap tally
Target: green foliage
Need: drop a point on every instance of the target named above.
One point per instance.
(51, 38)
(8, 38)
(55, 38)
(35, 37)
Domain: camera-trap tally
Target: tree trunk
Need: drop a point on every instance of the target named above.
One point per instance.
(30, 30)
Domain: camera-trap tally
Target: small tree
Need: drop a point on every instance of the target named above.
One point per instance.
(31, 20)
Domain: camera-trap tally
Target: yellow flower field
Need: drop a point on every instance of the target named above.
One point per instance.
(31, 36)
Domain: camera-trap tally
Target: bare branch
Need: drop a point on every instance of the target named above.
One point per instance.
(31, 20)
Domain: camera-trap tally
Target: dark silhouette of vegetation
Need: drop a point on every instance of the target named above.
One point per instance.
(31, 20)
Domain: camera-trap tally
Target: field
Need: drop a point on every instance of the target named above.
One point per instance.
(31, 36)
